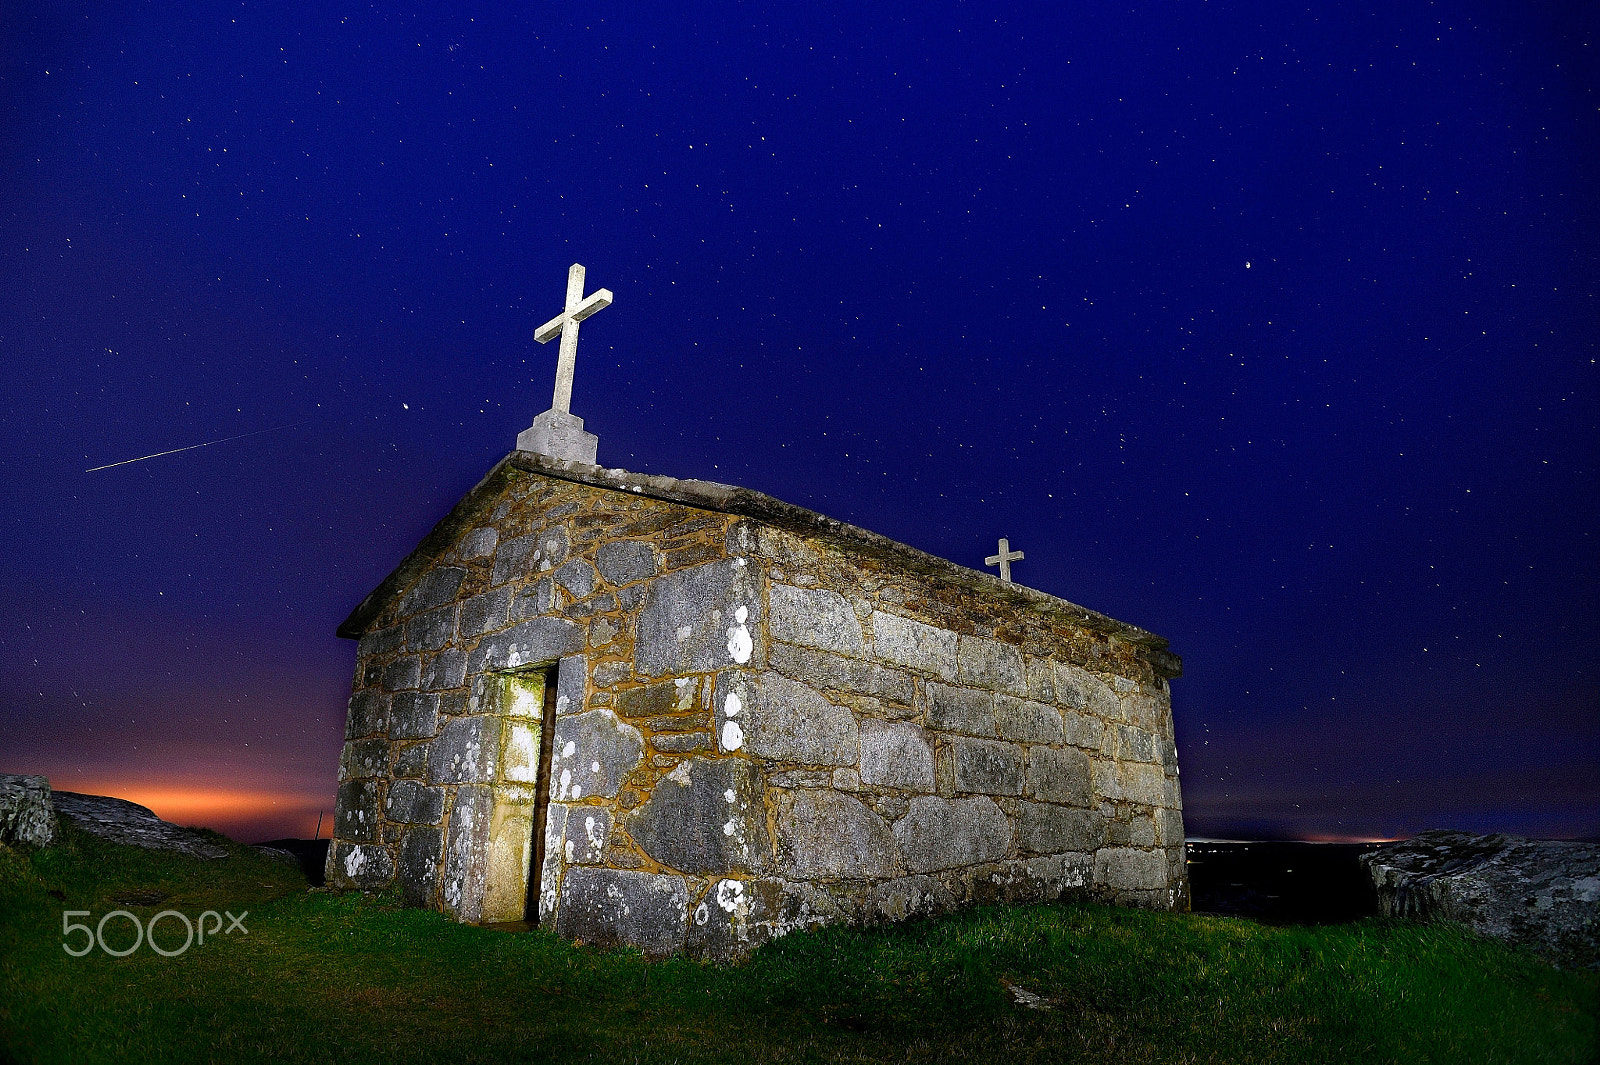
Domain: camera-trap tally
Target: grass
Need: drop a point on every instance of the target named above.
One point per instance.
(323, 976)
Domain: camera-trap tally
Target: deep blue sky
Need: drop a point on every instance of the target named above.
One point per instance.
(1271, 329)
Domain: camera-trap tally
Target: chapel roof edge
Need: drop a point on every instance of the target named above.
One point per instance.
(742, 502)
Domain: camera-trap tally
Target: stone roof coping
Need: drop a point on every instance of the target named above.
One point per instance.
(746, 503)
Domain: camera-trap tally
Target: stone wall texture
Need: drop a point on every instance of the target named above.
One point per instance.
(755, 729)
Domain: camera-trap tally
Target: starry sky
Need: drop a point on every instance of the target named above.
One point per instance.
(1270, 328)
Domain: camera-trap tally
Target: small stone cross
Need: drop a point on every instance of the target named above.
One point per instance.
(1004, 559)
(565, 325)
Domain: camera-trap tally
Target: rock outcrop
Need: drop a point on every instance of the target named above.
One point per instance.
(1543, 894)
(129, 823)
(25, 812)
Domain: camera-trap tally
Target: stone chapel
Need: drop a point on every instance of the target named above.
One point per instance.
(683, 716)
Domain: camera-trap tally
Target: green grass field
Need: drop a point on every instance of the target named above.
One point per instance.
(328, 977)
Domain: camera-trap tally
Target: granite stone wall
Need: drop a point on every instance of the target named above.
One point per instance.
(754, 730)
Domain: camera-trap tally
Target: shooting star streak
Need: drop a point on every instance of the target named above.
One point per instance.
(191, 447)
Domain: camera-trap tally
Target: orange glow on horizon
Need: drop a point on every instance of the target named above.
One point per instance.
(245, 814)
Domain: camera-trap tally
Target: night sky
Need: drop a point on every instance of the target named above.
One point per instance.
(1272, 330)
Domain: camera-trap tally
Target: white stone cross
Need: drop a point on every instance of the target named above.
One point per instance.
(565, 325)
(1004, 559)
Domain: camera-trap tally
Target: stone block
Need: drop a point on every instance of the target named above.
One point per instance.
(676, 723)
(535, 600)
(436, 588)
(896, 754)
(740, 915)
(479, 543)
(814, 617)
(555, 830)
(466, 751)
(603, 603)
(625, 561)
(485, 613)
(914, 645)
(1059, 775)
(1081, 730)
(612, 673)
(985, 767)
(445, 670)
(1135, 745)
(681, 742)
(940, 833)
(910, 896)
(413, 716)
(1169, 828)
(592, 752)
(528, 643)
(827, 835)
(559, 435)
(577, 577)
(1147, 709)
(431, 630)
(410, 802)
(1045, 828)
(519, 751)
(622, 908)
(364, 758)
(466, 855)
(1040, 675)
(836, 672)
(1122, 869)
(584, 833)
(701, 619)
(509, 855)
(732, 918)
(513, 558)
(527, 556)
(964, 710)
(705, 817)
(380, 641)
(667, 697)
(736, 916)
(364, 866)
(355, 811)
(1026, 721)
(1078, 689)
(420, 849)
(522, 695)
(690, 555)
(630, 598)
(572, 685)
(602, 632)
(402, 674)
(555, 543)
(1051, 877)
(1131, 782)
(412, 761)
(770, 716)
(26, 814)
(990, 664)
